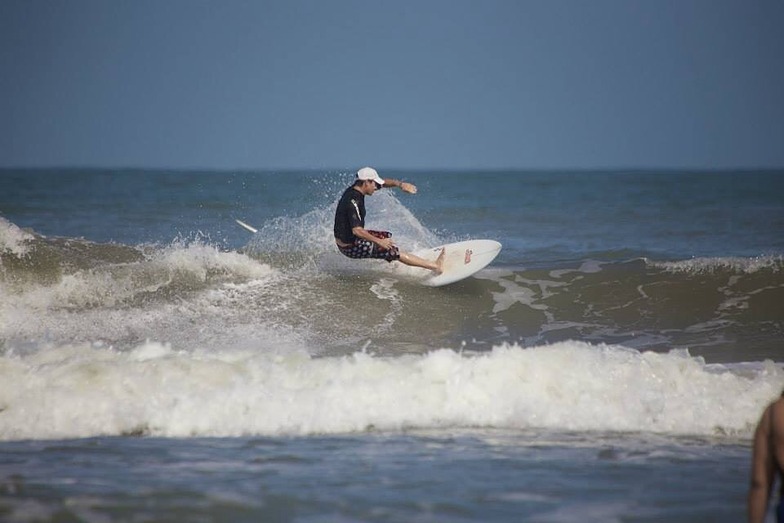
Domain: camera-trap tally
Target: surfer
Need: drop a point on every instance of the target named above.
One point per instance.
(351, 237)
(767, 461)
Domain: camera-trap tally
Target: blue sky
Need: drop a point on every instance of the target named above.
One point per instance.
(405, 84)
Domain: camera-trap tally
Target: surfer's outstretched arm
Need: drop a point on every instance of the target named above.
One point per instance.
(404, 186)
(415, 261)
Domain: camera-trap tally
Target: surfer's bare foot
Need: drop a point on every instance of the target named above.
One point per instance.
(413, 260)
(440, 262)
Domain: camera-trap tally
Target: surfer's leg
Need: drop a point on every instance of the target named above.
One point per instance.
(366, 249)
(360, 249)
(415, 261)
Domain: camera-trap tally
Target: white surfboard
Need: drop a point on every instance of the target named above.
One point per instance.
(462, 259)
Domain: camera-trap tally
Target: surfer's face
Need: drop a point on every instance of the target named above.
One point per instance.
(371, 186)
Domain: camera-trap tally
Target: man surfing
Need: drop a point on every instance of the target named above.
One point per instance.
(351, 237)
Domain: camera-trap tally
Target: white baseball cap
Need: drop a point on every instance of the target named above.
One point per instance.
(368, 173)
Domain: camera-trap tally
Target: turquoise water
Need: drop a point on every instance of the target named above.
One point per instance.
(157, 361)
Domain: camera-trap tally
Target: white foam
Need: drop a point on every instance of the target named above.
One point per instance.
(109, 285)
(13, 239)
(211, 296)
(385, 290)
(203, 260)
(521, 291)
(79, 391)
(513, 294)
(587, 267)
(709, 265)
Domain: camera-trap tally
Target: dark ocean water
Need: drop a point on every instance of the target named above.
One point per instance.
(629, 333)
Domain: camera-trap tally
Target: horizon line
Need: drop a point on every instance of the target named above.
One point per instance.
(541, 169)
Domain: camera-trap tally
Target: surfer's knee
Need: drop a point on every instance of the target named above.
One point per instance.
(392, 254)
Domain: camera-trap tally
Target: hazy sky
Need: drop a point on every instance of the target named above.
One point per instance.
(409, 84)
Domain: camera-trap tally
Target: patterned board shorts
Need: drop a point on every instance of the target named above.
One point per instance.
(368, 249)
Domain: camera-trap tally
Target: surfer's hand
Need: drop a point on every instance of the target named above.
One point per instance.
(408, 187)
(385, 243)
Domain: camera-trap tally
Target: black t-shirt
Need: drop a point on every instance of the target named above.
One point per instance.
(349, 214)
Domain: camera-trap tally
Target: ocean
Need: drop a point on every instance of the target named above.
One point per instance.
(160, 363)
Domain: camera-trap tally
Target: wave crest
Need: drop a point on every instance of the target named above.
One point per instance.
(773, 263)
(155, 390)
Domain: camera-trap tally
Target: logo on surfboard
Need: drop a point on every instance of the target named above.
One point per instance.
(468, 254)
